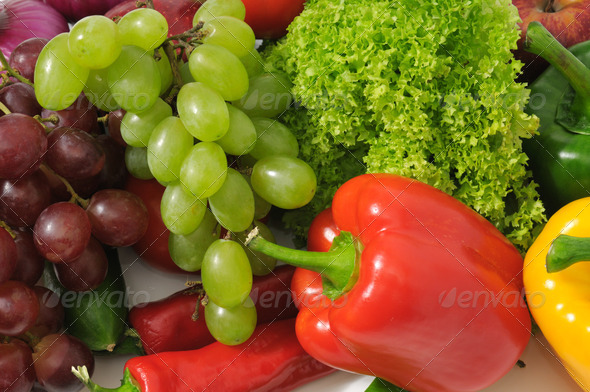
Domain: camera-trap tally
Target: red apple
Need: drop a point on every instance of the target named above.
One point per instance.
(74, 10)
(567, 20)
(270, 18)
(178, 13)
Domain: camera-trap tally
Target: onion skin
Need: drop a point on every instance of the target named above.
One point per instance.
(74, 10)
(24, 19)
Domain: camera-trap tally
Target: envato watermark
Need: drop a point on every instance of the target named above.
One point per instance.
(111, 299)
(476, 299)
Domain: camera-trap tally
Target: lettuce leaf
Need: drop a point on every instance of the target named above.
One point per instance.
(424, 89)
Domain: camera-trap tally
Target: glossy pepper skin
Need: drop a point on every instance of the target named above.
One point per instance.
(559, 301)
(272, 360)
(434, 301)
(177, 322)
(560, 153)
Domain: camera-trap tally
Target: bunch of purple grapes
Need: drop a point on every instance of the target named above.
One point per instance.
(61, 200)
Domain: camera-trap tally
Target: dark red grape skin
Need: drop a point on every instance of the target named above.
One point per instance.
(17, 373)
(23, 199)
(118, 217)
(23, 144)
(8, 255)
(73, 154)
(20, 98)
(114, 126)
(86, 272)
(62, 232)
(53, 359)
(114, 172)
(80, 115)
(19, 308)
(51, 313)
(24, 57)
(29, 263)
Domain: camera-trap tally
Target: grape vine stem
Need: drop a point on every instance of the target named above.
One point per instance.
(75, 197)
(11, 70)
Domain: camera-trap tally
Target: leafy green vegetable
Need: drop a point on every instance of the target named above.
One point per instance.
(420, 88)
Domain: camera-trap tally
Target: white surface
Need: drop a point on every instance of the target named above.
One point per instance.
(543, 371)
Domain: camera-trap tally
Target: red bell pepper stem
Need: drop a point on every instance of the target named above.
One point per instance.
(338, 266)
(539, 41)
(567, 250)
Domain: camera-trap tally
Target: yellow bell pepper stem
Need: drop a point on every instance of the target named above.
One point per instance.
(566, 251)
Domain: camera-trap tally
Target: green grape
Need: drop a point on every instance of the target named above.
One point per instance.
(260, 263)
(269, 95)
(134, 79)
(261, 206)
(181, 212)
(143, 27)
(166, 77)
(187, 251)
(253, 63)
(219, 69)
(185, 74)
(136, 162)
(285, 182)
(215, 8)
(136, 128)
(233, 34)
(231, 326)
(233, 203)
(94, 42)
(241, 136)
(59, 79)
(273, 139)
(226, 273)
(97, 90)
(168, 145)
(204, 169)
(202, 111)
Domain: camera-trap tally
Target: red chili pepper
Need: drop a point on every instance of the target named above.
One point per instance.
(418, 289)
(177, 322)
(272, 360)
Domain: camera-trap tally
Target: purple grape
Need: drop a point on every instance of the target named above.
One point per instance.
(81, 115)
(23, 144)
(51, 313)
(19, 308)
(118, 217)
(114, 126)
(53, 358)
(74, 154)
(62, 232)
(8, 255)
(29, 263)
(86, 272)
(20, 98)
(16, 366)
(114, 172)
(23, 199)
(24, 57)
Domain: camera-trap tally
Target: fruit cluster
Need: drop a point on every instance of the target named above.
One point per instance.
(60, 201)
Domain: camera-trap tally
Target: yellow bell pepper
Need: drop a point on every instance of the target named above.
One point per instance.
(560, 301)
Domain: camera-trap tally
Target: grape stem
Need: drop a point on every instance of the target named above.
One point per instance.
(4, 109)
(11, 71)
(75, 197)
(51, 119)
(7, 228)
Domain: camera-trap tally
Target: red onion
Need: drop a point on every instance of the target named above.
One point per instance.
(75, 10)
(24, 19)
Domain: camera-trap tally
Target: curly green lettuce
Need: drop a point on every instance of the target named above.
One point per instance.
(424, 89)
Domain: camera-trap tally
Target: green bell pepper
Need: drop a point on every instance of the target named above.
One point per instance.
(560, 154)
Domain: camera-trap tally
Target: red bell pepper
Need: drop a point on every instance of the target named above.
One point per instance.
(177, 322)
(272, 360)
(417, 288)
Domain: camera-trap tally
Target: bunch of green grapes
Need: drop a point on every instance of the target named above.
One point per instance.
(205, 127)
